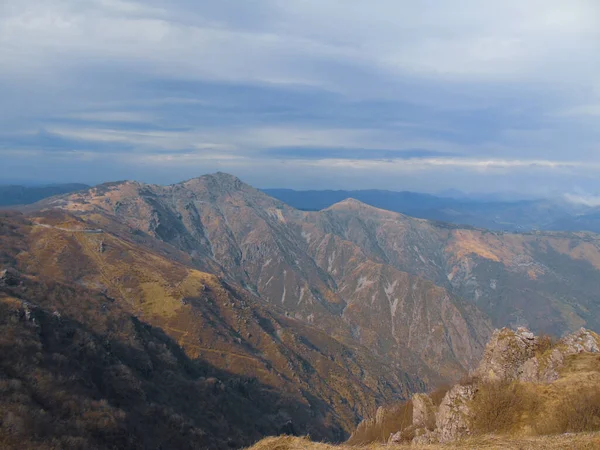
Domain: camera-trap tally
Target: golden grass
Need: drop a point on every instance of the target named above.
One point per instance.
(580, 441)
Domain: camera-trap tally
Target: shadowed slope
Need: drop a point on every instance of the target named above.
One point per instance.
(333, 383)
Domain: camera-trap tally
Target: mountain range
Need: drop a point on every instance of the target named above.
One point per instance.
(561, 213)
(11, 195)
(330, 313)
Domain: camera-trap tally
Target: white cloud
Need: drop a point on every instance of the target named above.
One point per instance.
(585, 199)
(499, 70)
(538, 40)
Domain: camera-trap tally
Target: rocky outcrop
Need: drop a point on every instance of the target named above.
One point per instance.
(452, 418)
(581, 341)
(423, 411)
(545, 367)
(517, 355)
(395, 438)
(505, 354)
(511, 355)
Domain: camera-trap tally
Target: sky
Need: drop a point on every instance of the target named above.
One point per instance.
(480, 96)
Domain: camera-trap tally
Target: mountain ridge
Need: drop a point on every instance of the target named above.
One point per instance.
(246, 231)
(352, 307)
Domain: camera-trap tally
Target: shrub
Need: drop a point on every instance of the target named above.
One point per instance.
(392, 419)
(544, 343)
(498, 406)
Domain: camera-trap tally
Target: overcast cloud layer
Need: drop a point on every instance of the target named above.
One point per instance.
(469, 94)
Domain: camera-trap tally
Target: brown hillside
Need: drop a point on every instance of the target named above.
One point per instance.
(331, 384)
(309, 268)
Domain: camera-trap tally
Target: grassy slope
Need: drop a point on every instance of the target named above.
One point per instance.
(571, 441)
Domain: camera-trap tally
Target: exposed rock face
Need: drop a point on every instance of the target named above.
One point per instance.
(514, 355)
(506, 352)
(452, 418)
(423, 411)
(545, 368)
(581, 341)
(395, 438)
(427, 438)
(509, 356)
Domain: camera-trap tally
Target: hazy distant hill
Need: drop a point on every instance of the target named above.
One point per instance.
(522, 215)
(11, 195)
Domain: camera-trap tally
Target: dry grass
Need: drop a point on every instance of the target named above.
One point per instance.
(391, 419)
(582, 441)
(545, 343)
(498, 407)
(569, 405)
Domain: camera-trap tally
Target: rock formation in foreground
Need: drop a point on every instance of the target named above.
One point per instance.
(516, 363)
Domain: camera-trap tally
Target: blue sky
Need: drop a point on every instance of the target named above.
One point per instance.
(479, 96)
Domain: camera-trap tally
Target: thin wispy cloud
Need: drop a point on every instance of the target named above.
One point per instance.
(376, 94)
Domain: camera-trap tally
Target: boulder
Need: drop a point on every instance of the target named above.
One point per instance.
(395, 438)
(428, 437)
(423, 411)
(453, 415)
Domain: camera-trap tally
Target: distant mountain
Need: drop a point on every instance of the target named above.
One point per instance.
(11, 195)
(521, 215)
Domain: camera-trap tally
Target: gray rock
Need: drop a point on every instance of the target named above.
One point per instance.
(579, 342)
(426, 438)
(395, 438)
(453, 416)
(506, 352)
(423, 411)
(545, 368)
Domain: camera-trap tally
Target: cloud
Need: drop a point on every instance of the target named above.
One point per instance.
(446, 91)
(583, 199)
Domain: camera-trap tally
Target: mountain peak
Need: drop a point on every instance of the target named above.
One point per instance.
(349, 203)
(219, 180)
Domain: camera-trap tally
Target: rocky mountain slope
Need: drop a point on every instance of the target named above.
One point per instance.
(547, 281)
(312, 263)
(335, 311)
(319, 268)
(113, 289)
